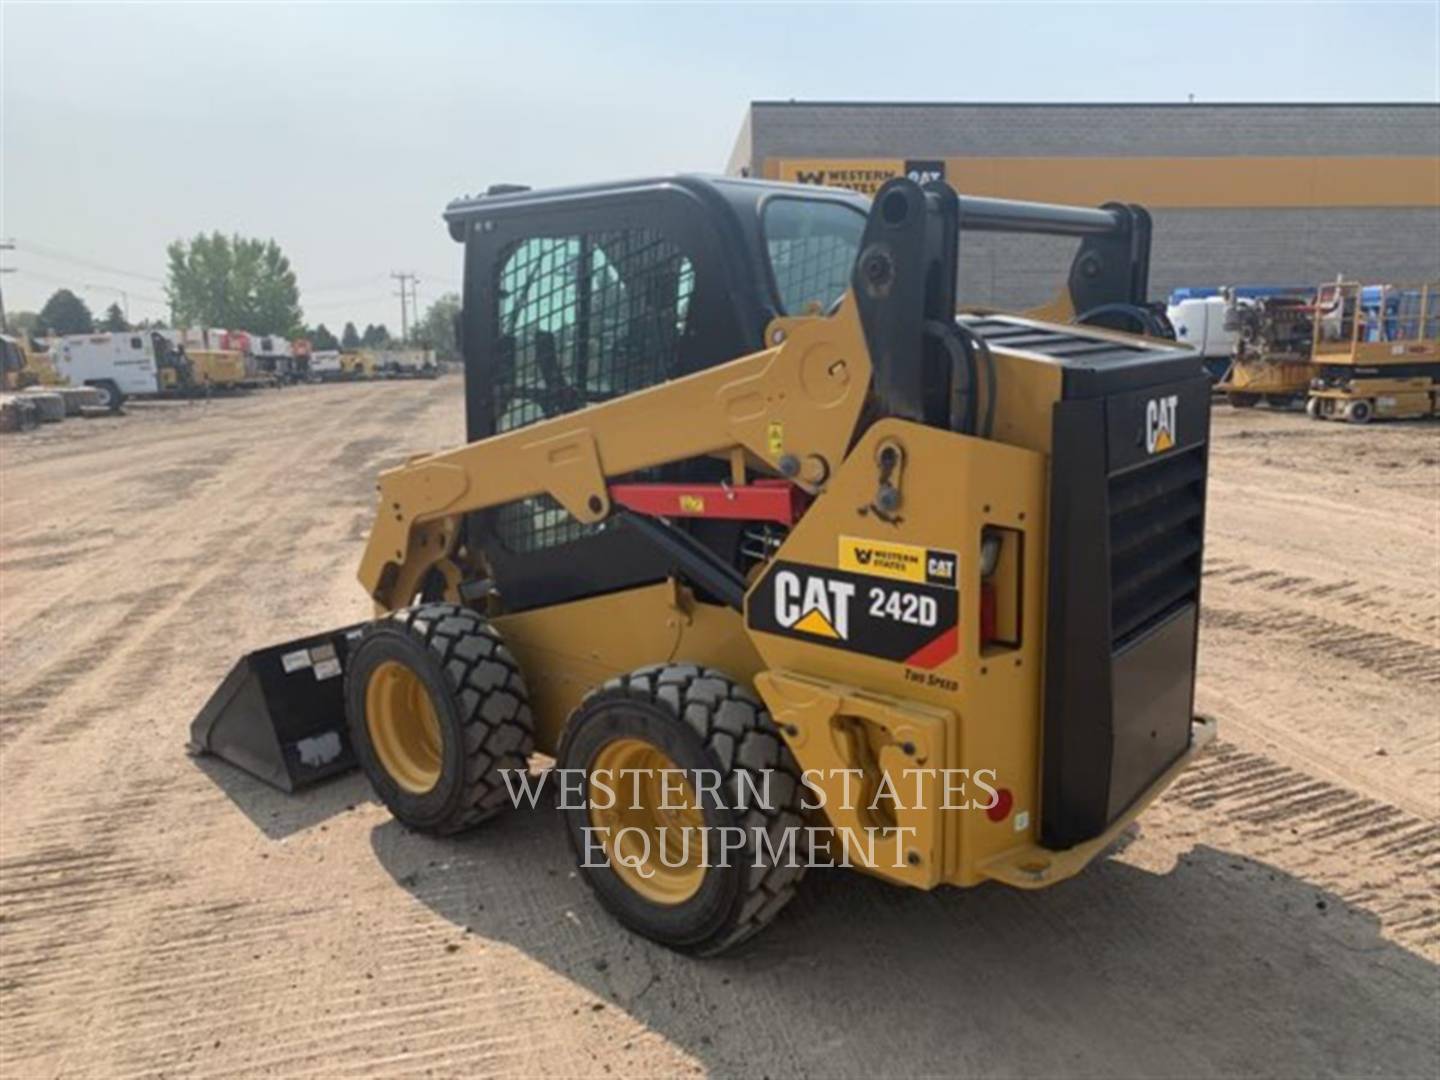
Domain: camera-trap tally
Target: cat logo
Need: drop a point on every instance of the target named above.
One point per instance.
(1160, 430)
(815, 605)
(925, 172)
(940, 569)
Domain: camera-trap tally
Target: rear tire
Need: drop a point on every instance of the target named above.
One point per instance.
(437, 710)
(1358, 412)
(110, 396)
(695, 719)
(1244, 401)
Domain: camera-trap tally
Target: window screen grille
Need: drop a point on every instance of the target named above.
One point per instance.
(581, 319)
(812, 246)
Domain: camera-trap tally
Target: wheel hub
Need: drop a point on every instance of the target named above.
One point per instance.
(655, 842)
(404, 727)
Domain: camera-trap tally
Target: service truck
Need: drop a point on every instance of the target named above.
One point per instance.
(119, 365)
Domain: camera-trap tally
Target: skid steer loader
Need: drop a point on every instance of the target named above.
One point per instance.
(756, 532)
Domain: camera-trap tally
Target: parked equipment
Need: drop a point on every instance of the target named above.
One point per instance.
(20, 367)
(1273, 343)
(357, 365)
(218, 369)
(117, 365)
(407, 363)
(744, 496)
(325, 365)
(1377, 355)
(1199, 318)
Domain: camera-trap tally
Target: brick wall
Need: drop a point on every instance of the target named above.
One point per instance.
(1192, 247)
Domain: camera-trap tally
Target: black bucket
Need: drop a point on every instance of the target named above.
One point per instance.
(280, 713)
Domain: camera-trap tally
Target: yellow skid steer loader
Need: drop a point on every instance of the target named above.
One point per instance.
(782, 556)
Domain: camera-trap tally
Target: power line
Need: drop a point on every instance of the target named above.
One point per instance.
(61, 256)
(344, 303)
(352, 283)
(69, 283)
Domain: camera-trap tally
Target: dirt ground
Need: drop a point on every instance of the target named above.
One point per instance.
(1275, 914)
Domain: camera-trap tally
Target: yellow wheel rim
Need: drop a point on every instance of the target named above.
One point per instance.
(403, 726)
(655, 843)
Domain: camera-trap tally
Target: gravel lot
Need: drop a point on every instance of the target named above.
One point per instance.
(1275, 914)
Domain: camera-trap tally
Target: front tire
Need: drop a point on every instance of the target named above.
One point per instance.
(438, 711)
(682, 717)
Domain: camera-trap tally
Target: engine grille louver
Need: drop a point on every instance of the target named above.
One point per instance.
(1156, 522)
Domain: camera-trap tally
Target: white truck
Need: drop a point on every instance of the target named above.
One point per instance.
(118, 365)
(1200, 323)
(407, 363)
(325, 365)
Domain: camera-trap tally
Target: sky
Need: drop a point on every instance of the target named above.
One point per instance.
(341, 130)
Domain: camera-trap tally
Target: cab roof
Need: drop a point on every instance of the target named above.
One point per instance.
(741, 195)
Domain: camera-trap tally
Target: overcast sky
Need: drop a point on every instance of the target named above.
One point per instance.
(342, 130)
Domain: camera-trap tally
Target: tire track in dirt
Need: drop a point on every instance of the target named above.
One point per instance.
(1348, 593)
(117, 646)
(88, 869)
(1385, 654)
(1371, 854)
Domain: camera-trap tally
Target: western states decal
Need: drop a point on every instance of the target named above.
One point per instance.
(903, 562)
(909, 622)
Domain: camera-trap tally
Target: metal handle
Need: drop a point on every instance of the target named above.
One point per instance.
(1011, 216)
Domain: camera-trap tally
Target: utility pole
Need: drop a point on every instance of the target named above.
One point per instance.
(5, 245)
(404, 298)
(415, 299)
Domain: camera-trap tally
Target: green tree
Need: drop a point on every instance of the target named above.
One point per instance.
(27, 323)
(437, 329)
(375, 336)
(322, 340)
(235, 282)
(114, 320)
(350, 338)
(66, 313)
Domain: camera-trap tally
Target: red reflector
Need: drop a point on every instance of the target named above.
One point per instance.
(1000, 809)
(987, 612)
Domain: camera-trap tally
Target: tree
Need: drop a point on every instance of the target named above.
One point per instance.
(26, 323)
(114, 320)
(235, 282)
(322, 340)
(350, 338)
(66, 313)
(375, 336)
(437, 329)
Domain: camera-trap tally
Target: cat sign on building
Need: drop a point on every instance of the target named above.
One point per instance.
(862, 176)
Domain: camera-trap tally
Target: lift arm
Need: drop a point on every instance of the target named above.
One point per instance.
(792, 408)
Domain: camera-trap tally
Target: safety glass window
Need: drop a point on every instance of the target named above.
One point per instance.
(581, 319)
(812, 245)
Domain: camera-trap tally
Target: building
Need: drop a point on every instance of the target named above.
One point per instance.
(1240, 194)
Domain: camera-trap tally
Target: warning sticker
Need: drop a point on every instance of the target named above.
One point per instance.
(294, 661)
(900, 562)
(775, 438)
